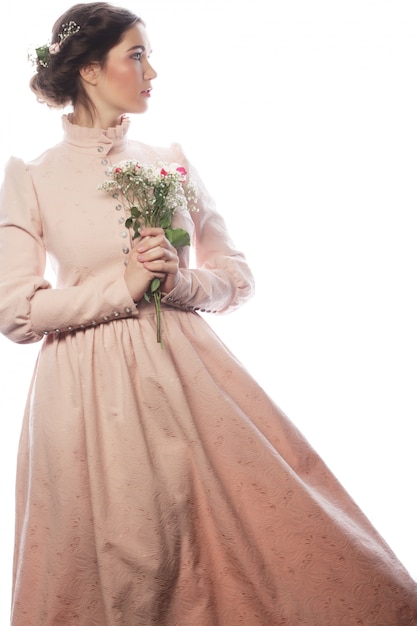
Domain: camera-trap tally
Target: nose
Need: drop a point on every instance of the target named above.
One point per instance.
(149, 73)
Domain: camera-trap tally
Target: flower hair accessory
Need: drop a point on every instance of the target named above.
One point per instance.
(43, 53)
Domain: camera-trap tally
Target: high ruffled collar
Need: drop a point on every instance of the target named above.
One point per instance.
(85, 138)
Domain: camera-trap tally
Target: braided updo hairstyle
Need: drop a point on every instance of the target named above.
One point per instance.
(101, 26)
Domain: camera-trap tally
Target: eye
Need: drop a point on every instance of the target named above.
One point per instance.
(137, 56)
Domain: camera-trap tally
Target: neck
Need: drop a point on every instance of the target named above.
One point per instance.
(82, 117)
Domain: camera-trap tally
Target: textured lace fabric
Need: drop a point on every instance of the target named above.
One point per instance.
(165, 488)
(162, 487)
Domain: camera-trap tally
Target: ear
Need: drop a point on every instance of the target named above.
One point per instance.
(90, 73)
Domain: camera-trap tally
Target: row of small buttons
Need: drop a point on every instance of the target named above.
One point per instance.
(106, 318)
(121, 220)
(178, 303)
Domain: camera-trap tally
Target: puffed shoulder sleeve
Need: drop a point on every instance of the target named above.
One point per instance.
(222, 279)
(29, 306)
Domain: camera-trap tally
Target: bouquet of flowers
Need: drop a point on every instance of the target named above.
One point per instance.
(152, 194)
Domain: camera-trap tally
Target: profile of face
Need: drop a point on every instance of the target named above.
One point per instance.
(124, 83)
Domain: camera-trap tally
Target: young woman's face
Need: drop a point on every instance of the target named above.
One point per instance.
(124, 83)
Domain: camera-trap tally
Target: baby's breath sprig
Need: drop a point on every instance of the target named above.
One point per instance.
(42, 55)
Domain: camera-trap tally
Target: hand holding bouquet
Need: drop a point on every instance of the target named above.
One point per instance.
(152, 194)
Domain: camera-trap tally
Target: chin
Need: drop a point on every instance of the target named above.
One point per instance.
(140, 108)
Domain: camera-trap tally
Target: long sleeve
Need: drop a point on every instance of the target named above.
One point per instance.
(222, 280)
(29, 306)
(52, 205)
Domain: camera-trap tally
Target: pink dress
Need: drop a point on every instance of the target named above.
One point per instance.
(161, 486)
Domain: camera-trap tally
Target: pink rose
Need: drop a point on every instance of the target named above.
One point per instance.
(54, 48)
(183, 172)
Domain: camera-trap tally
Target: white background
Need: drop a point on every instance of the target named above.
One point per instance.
(301, 117)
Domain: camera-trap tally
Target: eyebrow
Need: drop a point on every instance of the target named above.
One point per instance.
(142, 48)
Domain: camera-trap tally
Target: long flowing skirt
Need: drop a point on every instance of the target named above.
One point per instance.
(164, 487)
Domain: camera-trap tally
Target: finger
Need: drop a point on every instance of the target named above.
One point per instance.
(151, 231)
(156, 253)
(165, 267)
(159, 275)
(160, 267)
(152, 241)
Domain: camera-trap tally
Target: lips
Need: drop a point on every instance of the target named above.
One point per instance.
(146, 92)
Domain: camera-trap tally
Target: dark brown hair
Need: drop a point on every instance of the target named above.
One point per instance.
(101, 27)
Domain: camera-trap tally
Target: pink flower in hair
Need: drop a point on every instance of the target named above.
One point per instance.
(54, 48)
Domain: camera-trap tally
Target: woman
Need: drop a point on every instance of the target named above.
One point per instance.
(155, 486)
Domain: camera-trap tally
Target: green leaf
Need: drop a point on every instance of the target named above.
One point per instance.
(155, 284)
(178, 237)
(165, 221)
(134, 211)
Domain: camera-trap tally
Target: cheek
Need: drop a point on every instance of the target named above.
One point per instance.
(123, 78)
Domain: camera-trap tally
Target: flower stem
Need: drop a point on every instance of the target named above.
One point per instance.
(157, 302)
